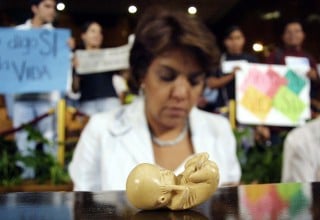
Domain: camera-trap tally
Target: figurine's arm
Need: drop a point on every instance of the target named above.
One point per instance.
(201, 177)
(207, 173)
(197, 160)
(194, 164)
(171, 188)
(199, 169)
(182, 196)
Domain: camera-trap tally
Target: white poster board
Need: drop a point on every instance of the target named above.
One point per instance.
(300, 64)
(102, 60)
(272, 95)
(229, 66)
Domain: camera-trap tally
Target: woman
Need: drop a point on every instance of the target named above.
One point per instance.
(170, 58)
(96, 89)
(234, 42)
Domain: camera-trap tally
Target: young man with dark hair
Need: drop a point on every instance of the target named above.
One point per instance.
(44, 13)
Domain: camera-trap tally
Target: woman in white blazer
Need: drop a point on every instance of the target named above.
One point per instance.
(170, 58)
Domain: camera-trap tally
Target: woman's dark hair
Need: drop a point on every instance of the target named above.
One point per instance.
(230, 30)
(161, 30)
(289, 21)
(87, 24)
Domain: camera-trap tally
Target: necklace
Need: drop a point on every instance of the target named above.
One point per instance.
(168, 143)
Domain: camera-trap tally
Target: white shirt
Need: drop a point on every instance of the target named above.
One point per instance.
(113, 143)
(28, 25)
(301, 155)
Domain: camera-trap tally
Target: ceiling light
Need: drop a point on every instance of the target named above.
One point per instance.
(192, 10)
(257, 47)
(271, 15)
(132, 9)
(61, 6)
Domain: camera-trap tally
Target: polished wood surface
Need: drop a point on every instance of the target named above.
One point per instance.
(265, 201)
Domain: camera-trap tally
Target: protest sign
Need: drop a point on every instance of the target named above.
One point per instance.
(272, 95)
(35, 60)
(102, 60)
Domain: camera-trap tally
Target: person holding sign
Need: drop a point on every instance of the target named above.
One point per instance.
(234, 42)
(293, 54)
(97, 93)
(30, 106)
(170, 59)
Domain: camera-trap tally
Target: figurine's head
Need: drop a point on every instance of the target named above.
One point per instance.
(145, 186)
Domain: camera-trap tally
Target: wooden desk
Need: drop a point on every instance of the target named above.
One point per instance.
(267, 201)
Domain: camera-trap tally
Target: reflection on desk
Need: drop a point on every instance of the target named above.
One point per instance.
(266, 201)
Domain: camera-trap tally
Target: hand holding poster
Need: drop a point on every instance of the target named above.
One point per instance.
(36, 60)
(272, 95)
(229, 66)
(102, 60)
(300, 64)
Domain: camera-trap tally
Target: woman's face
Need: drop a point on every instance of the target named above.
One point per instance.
(234, 43)
(172, 86)
(93, 37)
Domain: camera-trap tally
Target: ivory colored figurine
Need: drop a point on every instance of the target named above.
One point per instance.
(152, 187)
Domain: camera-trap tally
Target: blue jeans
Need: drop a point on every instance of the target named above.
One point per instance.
(25, 111)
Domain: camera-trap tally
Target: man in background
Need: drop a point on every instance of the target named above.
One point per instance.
(28, 106)
(293, 37)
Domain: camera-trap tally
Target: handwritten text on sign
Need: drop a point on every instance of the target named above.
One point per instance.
(36, 60)
(109, 59)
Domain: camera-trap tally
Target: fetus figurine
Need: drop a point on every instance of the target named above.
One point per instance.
(151, 187)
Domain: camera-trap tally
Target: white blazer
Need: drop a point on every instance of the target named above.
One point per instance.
(301, 154)
(113, 143)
